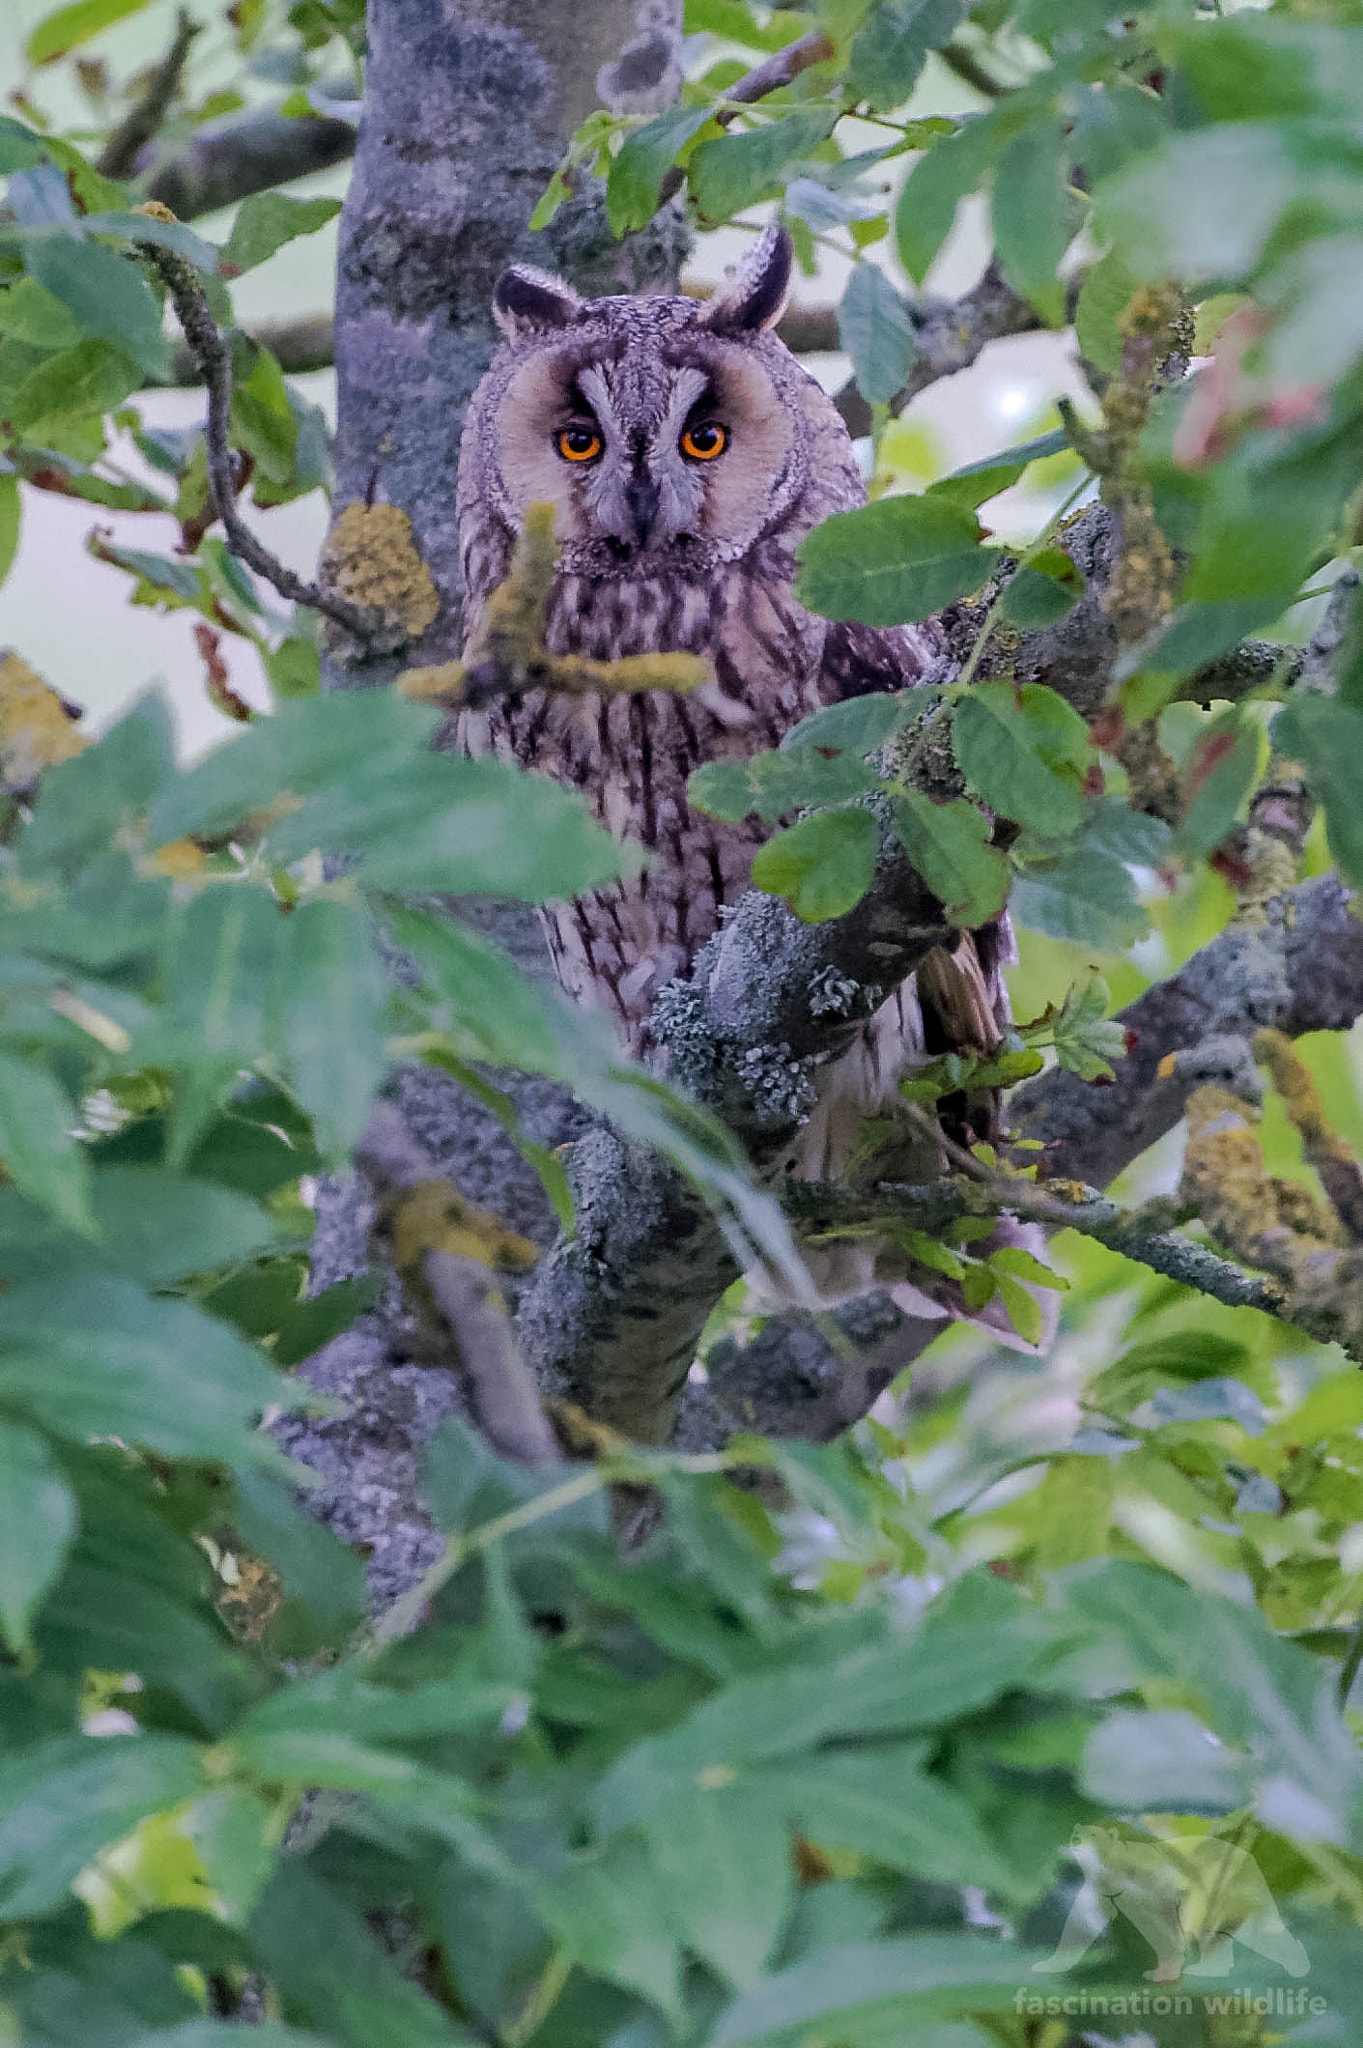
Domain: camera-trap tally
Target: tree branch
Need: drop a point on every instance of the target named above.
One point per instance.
(309, 342)
(214, 358)
(143, 121)
(445, 1250)
(229, 159)
(949, 334)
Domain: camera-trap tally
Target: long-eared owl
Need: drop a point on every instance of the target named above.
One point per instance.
(687, 454)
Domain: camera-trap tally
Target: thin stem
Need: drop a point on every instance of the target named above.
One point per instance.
(214, 359)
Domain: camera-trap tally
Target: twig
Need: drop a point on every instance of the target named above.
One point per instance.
(774, 72)
(460, 1284)
(975, 1191)
(506, 654)
(231, 158)
(780, 69)
(214, 358)
(142, 122)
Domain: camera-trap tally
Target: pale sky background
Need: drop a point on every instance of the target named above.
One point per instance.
(70, 616)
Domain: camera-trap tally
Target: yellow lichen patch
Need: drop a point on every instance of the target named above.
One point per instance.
(371, 560)
(154, 209)
(1293, 1080)
(36, 729)
(182, 860)
(579, 1433)
(433, 1216)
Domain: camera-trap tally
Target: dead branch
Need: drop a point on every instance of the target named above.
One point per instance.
(142, 123)
(446, 1252)
(214, 358)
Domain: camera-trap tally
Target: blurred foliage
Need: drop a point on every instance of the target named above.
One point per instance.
(863, 1756)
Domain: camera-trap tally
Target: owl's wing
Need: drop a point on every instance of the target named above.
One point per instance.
(858, 660)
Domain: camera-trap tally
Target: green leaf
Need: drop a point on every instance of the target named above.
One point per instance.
(38, 1516)
(1086, 1039)
(93, 377)
(1030, 210)
(881, 1803)
(294, 668)
(64, 1801)
(30, 314)
(1202, 207)
(733, 20)
(875, 330)
(213, 2033)
(822, 866)
(1113, 827)
(876, 1992)
(934, 189)
(1087, 897)
(979, 481)
(85, 802)
(949, 846)
(105, 293)
(9, 523)
(314, 1322)
(611, 1914)
(331, 1973)
(1042, 590)
(890, 49)
(151, 1226)
(98, 1357)
(723, 1856)
(1026, 751)
(1106, 293)
(321, 1576)
(38, 1146)
(20, 147)
(69, 26)
(897, 560)
(313, 744)
(1143, 1762)
(1074, 1510)
(859, 725)
(735, 171)
(491, 1009)
(331, 996)
(233, 1831)
(1327, 738)
(266, 221)
(643, 160)
(777, 782)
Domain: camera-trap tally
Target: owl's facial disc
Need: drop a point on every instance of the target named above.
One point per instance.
(659, 444)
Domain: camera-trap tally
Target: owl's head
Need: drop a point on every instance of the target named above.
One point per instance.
(664, 431)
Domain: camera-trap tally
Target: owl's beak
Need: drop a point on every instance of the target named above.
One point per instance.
(643, 498)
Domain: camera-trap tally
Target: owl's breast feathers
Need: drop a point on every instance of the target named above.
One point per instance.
(630, 756)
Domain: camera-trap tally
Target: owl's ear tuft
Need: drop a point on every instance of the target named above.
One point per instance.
(528, 301)
(755, 296)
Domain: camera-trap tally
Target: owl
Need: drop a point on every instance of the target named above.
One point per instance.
(686, 454)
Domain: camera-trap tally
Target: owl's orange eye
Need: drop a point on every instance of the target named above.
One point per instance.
(704, 441)
(579, 444)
